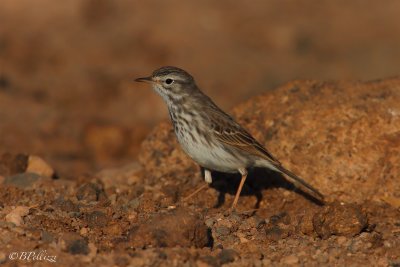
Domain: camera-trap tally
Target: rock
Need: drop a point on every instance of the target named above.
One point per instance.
(364, 242)
(275, 233)
(278, 226)
(179, 227)
(133, 204)
(242, 237)
(17, 214)
(74, 244)
(11, 164)
(210, 222)
(113, 229)
(255, 221)
(66, 205)
(306, 224)
(84, 231)
(39, 166)
(283, 218)
(97, 219)
(33, 233)
(90, 192)
(339, 219)
(222, 230)
(227, 256)
(22, 180)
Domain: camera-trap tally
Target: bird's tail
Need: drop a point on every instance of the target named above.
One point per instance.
(300, 183)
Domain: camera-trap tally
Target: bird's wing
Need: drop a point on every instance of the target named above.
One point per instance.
(231, 133)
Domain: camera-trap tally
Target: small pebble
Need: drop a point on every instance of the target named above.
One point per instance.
(226, 256)
(97, 219)
(84, 231)
(17, 214)
(222, 230)
(256, 221)
(74, 244)
(90, 192)
(22, 180)
(242, 238)
(66, 205)
(39, 166)
(387, 244)
(210, 222)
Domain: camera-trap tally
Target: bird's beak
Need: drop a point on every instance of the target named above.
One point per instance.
(144, 79)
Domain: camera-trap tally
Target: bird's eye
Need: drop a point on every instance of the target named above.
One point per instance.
(169, 81)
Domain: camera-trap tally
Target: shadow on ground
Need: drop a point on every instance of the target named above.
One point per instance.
(258, 179)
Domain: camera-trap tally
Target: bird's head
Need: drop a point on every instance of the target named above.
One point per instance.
(171, 83)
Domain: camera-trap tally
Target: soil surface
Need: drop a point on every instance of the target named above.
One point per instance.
(89, 176)
(343, 138)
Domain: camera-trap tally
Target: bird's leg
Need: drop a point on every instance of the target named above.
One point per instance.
(207, 178)
(243, 172)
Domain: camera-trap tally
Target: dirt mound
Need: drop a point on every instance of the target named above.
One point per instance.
(343, 138)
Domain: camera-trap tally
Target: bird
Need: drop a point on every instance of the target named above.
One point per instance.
(211, 137)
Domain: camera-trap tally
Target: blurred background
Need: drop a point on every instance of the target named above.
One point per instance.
(66, 67)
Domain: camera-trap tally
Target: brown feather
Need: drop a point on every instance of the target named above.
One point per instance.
(230, 132)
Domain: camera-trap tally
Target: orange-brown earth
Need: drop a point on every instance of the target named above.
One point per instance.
(69, 110)
(66, 68)
(342, 137)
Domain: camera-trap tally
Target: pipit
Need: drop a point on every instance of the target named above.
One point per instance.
(212, 138)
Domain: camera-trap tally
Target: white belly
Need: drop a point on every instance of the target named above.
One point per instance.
(210, 156)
